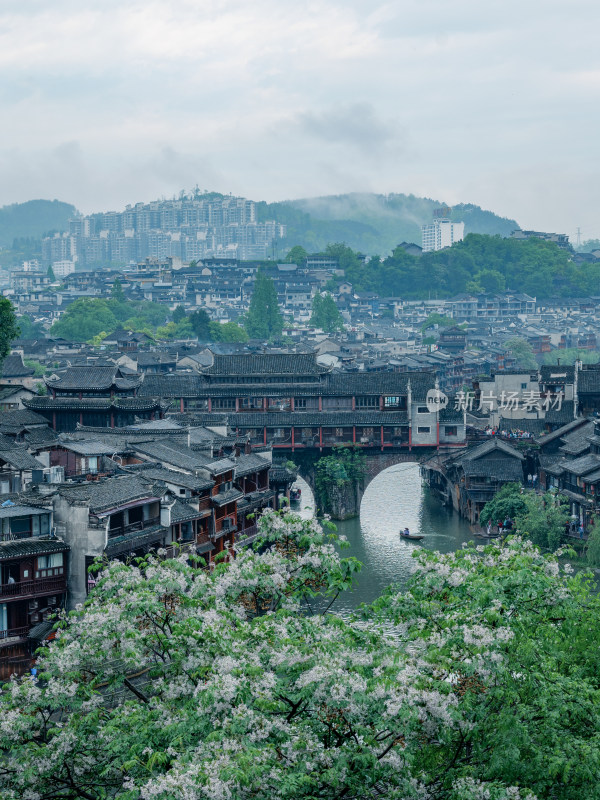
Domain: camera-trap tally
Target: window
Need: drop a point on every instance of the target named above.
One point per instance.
(390, 402)
(423, 429)
(367, 402)
(523, 386)
(299, 402)
(223, 402)
(422, 410)
(451, 430)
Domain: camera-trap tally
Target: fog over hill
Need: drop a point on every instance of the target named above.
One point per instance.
(371, 223)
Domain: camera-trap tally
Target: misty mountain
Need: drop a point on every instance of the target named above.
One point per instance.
(33, 219)
(371, 223)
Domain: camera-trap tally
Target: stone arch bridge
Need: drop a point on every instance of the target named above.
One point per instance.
(343, 502)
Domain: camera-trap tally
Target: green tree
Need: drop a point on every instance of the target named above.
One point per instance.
(325, 314)
(522, 351)
(178, 314)
(51, 274)
(508, 502)
(436, 319)
(29, 329)
(480, 680)
(593, 546)
(117, 292)
(545, 519)
(297, 255)
(9, 328)
(264, 319)
(84, 319)
(200, 322)
(39, 369)
(227, 332)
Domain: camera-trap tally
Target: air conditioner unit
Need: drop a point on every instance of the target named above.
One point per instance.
(34, 618)
(33, 604)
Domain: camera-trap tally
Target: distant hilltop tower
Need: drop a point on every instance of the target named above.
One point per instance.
(442, 232)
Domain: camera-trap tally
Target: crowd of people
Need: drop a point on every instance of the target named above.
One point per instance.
(513, 433)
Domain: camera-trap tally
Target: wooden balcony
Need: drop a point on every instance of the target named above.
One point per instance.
(24, 589)
(12, 635)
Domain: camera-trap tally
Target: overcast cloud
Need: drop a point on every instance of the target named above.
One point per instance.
(496, 103)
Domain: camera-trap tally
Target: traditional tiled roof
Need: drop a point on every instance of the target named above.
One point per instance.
(573, 424)
(553, 374)
(90, 379)
(229, 496)
(171, 452)
(108, 494)
(159, 473)
(182, 512)
(31, 547)
(494, 447)
(265, 364)
(584, 464)
(93, 403)
(22, 418)
(20, 459)
(85, 447)
(13, 367)
(247, 464)
(149, 537)
(8, 512)
(502, 469)
(588, 381)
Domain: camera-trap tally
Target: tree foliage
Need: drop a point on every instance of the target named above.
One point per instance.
(522, 351)
(480, 263)
(9, 328)
(541, 518)
(85, 318)
(344, 466)
(264, 319)
(175, 683)
(325, 314)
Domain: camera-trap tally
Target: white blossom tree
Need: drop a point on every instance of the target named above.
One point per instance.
(480, 682)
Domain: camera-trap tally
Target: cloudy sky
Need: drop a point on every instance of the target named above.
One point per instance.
(108, 102)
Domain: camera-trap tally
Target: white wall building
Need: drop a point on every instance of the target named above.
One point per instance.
(441, 233)
(63, 268)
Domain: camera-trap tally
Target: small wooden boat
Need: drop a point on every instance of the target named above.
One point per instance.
(413, 536)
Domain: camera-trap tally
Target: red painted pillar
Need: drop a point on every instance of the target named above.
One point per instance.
(292, 437)
(264, 403)
(237, 403)
(354, 404)
(209, 404)
(292, 407)
(381, 403)
(112, 419)
(382, 437)
(320, 403)
(353, 433)
(265, 435)
(181, 405)
(320, 435)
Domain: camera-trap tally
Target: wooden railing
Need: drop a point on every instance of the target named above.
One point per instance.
(32, 588)
(13, 634)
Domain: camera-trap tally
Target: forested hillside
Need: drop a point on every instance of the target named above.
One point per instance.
(33, 219)
(371, 223)
(479, 263)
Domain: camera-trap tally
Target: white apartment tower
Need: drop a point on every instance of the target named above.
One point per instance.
(441, 233)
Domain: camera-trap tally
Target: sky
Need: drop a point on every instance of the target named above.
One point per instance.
(110, 102)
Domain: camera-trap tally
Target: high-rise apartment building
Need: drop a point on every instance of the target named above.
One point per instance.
(441, 233)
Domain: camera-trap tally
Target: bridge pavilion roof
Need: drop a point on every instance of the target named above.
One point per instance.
(333, 384)
(292, 364)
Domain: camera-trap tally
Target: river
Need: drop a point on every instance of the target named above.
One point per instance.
(394, 500)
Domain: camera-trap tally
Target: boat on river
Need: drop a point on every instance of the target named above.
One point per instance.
(411, 536)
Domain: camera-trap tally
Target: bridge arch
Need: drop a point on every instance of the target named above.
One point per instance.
(345, 502)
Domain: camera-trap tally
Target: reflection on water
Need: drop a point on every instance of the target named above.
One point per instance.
(394, 500)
